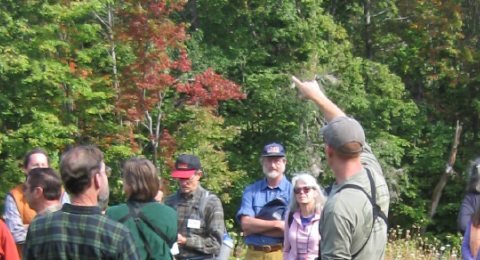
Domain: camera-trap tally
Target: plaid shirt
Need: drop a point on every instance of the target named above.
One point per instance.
(14, 220)
(77, 232)
(208, 238)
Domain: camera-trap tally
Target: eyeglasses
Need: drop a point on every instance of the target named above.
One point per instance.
(108, 171)
(305, 189)
(275, 160)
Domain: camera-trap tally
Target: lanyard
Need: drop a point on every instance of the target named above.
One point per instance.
(308, 237)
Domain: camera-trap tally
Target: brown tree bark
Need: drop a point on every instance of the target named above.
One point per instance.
(368, 29)
(437, 193)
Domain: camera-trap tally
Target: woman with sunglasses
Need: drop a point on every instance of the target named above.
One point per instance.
(153, 225)
(301, 237)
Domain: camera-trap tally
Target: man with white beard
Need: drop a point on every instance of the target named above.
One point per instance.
(264, 238)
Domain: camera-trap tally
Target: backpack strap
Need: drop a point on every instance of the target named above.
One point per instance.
(376, 210)
(203, 204)
(137, 214)
(290, 218)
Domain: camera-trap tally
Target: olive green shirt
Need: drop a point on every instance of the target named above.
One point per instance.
(346, 220)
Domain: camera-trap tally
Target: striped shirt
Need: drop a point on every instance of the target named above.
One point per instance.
(207, 239)
(77, 232)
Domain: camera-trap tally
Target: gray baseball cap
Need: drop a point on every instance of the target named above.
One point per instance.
(342, 130)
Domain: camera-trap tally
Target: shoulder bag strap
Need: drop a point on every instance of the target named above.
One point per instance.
(134, 211)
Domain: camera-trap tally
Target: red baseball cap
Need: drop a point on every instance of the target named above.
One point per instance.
(185, 166)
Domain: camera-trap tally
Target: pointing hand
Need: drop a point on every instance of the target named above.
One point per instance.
(308, 89)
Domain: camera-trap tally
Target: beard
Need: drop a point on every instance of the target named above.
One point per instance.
(102, 203)
(103, 195)
(273, 174)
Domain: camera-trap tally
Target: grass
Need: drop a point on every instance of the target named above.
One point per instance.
(404, 244)
(410, 244)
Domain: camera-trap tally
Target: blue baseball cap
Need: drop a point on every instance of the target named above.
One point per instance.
(273, 149)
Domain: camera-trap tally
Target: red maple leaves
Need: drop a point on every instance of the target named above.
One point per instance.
(160, 67)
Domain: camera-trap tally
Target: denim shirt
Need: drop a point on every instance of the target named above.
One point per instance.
(254, 197)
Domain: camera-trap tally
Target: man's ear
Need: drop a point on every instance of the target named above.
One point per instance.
(199, 173)
(96, 181)
(38, 192)
(328, 150)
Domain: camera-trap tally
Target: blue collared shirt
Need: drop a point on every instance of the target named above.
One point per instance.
(254, 197)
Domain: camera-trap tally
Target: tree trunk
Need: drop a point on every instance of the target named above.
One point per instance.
(192, 4)
(368, 29)
(437, 193)
(112, 46)
(154, 150)
(475, 131)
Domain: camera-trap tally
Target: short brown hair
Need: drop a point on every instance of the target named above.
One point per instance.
(78, 166)
(348, 146)
(47, 179)
(141, 176)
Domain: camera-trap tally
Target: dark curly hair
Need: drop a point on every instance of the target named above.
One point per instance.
(474, 177)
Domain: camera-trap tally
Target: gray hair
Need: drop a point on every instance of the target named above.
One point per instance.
(308, 178)
(474, 177)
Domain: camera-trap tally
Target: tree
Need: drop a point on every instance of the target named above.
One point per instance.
(157, 81)
(54, 93)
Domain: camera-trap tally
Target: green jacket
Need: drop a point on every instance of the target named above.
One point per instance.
(163, 217)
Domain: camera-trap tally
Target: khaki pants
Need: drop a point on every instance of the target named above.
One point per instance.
(260, 255)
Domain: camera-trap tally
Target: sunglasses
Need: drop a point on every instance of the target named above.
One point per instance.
(305, 189)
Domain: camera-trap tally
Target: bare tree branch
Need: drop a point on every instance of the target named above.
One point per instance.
(102, 20)
(381, 12)
(149, 119)
(437, 193)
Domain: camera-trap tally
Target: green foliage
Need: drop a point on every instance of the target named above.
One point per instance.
(205, 136)
(407, 73)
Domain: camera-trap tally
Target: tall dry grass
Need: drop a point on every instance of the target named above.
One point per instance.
(402, 244)
(410, 244)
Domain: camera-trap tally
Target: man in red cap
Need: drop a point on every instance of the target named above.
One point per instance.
(200, 229)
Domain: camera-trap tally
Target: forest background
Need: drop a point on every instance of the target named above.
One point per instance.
(209, 77)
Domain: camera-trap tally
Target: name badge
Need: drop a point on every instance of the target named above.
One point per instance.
(302, 253)
(193, 223)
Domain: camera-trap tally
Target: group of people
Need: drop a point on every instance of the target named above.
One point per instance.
(280, 219)
(48, 222)
(350, 224)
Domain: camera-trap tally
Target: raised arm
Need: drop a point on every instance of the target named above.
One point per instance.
(311, 90)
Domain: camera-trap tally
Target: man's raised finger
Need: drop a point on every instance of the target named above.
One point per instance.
(297, 81)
